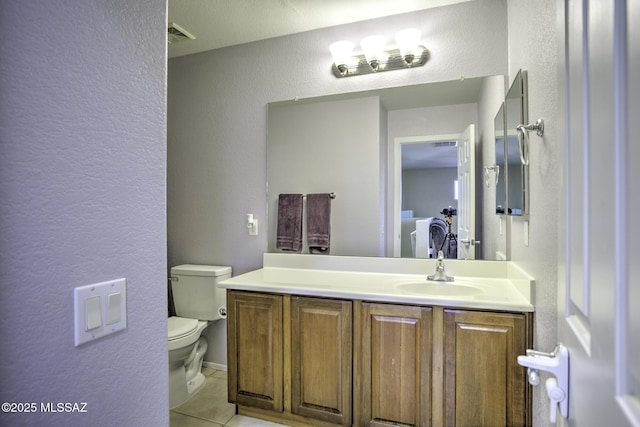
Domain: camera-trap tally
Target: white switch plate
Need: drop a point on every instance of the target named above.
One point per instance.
(253, 230)
(113, 318)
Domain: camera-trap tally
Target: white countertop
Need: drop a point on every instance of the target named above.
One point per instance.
(494, 285)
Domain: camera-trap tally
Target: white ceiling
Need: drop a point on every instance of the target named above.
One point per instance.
(221, 23)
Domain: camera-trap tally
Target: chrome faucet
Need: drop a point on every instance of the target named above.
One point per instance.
(440, 275)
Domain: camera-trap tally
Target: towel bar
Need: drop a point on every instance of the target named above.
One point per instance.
(331, 195)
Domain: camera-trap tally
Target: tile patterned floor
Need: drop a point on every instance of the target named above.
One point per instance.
(209, 407)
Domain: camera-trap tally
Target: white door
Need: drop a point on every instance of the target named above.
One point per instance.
(466, 194)
(599, 275)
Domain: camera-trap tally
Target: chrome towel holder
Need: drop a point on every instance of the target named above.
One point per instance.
(523, 138)
(496, 169)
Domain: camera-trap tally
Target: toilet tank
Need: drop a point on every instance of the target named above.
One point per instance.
(195, 294)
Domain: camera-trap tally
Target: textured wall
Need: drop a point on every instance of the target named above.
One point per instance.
(533, 47)
(82, 184)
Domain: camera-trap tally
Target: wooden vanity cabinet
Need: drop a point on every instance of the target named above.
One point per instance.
(483, 383)
(254, 349)
(321, 359)
(394, 385)
(306, 361)
(290, 357)
(424, 366)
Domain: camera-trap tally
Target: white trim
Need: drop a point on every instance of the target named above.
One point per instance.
(213, 365)
(580, 328)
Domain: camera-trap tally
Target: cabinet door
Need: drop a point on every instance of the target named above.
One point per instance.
(254, 340)
(484, 385)
(396, 365)
(321, 359)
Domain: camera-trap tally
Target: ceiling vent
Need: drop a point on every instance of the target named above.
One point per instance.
(176, 33)
(445, 143)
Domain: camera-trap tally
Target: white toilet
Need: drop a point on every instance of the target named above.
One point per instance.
(197, 302)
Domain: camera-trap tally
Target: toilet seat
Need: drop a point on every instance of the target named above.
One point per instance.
(179, 327)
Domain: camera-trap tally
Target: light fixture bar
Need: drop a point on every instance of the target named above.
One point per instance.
(394, 61)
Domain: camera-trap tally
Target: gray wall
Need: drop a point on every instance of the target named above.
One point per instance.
(82, 184)
(217, 105)
(428, 191)
(340, 144)
(533, 47)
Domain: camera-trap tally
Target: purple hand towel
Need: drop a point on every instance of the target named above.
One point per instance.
(319, 223)
(289, 232)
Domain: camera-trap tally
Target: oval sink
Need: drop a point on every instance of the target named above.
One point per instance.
(438, 288)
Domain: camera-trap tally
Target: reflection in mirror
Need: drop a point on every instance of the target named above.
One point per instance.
(500, 170)
(517, 173)
(345, 144)
(429, 194)
(439, 213)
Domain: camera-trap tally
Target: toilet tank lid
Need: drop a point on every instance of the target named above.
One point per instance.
(200, 270)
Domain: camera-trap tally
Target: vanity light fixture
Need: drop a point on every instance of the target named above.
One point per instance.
(375, 58)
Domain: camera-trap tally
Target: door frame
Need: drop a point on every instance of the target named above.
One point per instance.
(396, 178)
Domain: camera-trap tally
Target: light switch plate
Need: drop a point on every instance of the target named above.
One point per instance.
(112, 310)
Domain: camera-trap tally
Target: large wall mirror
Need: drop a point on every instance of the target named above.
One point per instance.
(391, 157)
(517, 173)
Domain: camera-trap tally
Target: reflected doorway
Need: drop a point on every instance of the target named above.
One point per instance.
(433, 195)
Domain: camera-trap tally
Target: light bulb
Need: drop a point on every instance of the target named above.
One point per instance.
(372, 47)
(341, 53)
(408, 41)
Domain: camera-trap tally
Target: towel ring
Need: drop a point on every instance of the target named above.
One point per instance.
(523, 138)
(495, 168)
(523, 141)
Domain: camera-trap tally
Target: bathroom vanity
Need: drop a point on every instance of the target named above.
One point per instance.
(369, 341)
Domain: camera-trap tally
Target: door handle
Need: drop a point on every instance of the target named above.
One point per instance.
(556, 363)
(468, 242)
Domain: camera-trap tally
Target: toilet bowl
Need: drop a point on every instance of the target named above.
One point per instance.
(198, 302)
(186, 352)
